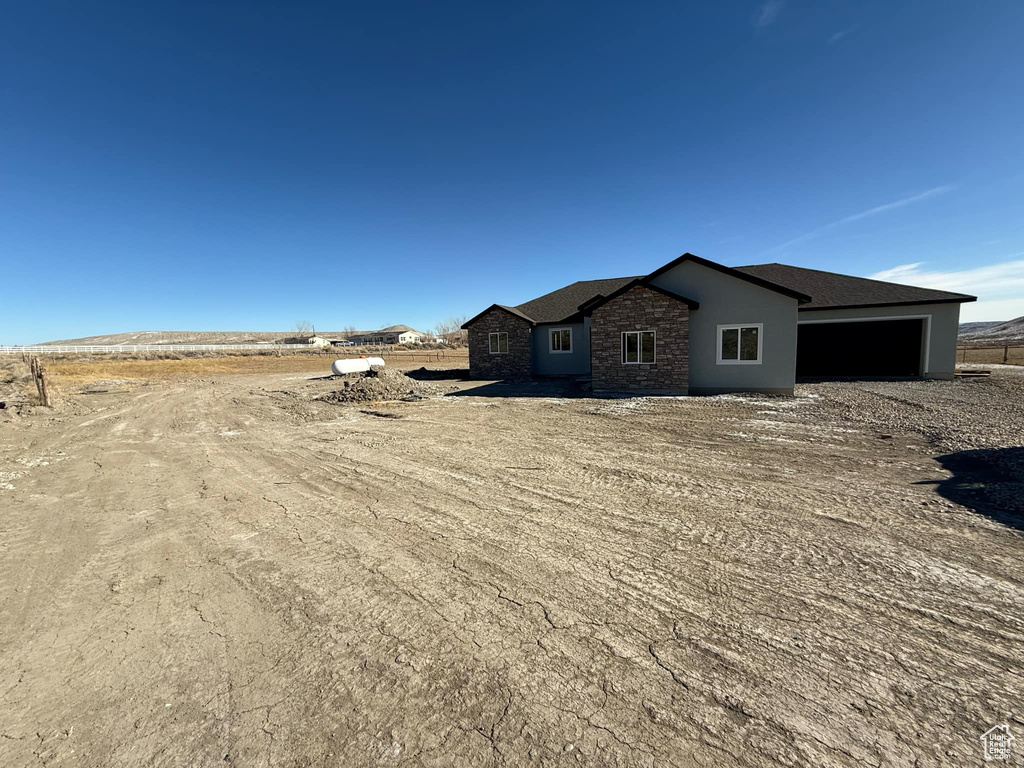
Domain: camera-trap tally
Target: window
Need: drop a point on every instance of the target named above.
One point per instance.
(637, 347)
(498, 343)
(561, 340)
(740, 344)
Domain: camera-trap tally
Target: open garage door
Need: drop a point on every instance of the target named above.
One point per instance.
(861, 348)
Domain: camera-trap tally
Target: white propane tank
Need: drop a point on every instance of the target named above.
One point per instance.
(356, 365)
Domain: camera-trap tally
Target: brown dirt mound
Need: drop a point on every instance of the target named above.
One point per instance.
(380, 384)
(16, 385)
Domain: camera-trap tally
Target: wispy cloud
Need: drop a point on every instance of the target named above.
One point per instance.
(999, 287)
(840, 35)
(933, 192)
(768, 13)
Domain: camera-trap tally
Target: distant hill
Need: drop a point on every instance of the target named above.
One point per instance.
(213, 337)
(973, 328)
(1008, 332)
(192, 337)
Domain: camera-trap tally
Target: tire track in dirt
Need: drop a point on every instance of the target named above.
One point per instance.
(529, 583)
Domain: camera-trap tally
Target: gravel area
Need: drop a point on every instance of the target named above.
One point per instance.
(977, 424)
(953, 415)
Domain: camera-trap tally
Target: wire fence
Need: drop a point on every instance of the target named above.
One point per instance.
(1005, 354)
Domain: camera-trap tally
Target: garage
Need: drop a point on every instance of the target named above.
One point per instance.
(890, 347)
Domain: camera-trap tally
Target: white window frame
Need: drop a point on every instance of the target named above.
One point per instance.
(491, 350)
(739, 328)
(551, 341)
(622, 347)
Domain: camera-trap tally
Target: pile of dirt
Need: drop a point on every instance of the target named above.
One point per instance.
(16, 387)
(380, 384)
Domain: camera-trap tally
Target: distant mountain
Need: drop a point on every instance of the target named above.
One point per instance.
(971, 328)
(192, 337)
(1008, 332)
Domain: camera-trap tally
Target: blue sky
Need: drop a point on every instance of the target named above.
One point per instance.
(225, 166)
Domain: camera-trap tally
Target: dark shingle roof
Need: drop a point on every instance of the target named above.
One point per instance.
(830, 290)
(813, 288)
(563, 304)
(559, 305)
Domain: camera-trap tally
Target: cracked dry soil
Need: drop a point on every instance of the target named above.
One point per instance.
(231, 573)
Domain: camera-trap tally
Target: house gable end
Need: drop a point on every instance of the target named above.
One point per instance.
(588, 307)
(640, 311)
(801, 298)
(508, 355)
(511, 310)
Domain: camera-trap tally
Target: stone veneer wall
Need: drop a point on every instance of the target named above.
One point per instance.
(641, 309)
(516, 364)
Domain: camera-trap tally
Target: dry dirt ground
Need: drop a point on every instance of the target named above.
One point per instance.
(232, 572)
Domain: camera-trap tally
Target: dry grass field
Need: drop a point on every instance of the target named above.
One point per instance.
(225, 568)
(69, 374)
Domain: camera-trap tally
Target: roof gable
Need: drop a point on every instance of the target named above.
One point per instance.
(831, 290)
(511, 310)
(770, 285)
(596, 302)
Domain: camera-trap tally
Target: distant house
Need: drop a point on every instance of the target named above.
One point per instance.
(695, 326)
(312, 340)
(393, 334)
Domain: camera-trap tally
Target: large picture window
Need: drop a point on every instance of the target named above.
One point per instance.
(498, 343)
(637, 347)
(740, 344)
(561, 340)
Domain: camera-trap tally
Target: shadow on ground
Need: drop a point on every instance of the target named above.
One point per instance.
(989, 481)
(528, 388)
(438, 374)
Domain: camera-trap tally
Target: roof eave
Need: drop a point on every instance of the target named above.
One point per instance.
(958, 300)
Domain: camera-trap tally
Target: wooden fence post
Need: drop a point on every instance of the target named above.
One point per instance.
(39, 374)
(1006, 353)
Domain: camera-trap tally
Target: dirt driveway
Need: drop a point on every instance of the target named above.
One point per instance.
(226, 572)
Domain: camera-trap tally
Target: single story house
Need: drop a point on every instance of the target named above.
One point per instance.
(694, 326)
(393, 334)
(312, 340)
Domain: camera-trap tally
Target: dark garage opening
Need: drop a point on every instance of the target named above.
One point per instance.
(868, 348)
